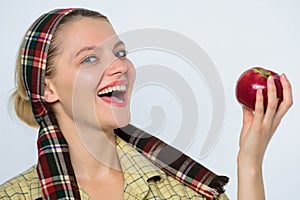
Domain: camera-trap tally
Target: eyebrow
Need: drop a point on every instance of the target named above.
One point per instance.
(119, 43)
(89, 48)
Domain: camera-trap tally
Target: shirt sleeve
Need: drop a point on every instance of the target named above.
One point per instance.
(20, 187)
(13, 190)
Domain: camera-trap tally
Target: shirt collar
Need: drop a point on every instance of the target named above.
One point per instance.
(137, 169)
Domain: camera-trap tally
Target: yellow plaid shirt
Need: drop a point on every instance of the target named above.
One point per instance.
(142, 180)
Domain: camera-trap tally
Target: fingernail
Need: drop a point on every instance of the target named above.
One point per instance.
(271, 80)
(284, 76)
(259, 91)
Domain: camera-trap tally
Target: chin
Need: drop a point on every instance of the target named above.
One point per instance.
(116, 119)
(121, 119)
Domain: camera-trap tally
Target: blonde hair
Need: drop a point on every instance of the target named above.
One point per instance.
(22, 104)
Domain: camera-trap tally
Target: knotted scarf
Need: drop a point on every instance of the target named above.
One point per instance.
(54, 168)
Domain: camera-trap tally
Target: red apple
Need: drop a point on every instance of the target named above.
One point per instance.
(250, 81)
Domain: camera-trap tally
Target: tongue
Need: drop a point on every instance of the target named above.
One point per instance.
(118, 95)
(115, 97)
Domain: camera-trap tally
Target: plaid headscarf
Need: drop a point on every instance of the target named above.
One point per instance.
(56, 174)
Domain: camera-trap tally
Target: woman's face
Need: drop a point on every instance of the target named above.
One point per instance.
(93, 78)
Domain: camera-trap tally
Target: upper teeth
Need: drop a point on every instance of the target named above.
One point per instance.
(121, 88)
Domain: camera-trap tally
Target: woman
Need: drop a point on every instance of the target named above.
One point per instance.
(71, 61)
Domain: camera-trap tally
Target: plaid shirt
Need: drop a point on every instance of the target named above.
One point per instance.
(142, 180)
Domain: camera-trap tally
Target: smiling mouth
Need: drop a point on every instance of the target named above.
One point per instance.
(114, 94)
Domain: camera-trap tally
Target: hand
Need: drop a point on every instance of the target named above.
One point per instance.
(259, 127)
(257, 131)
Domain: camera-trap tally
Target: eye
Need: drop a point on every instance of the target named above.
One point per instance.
(90, 59)
(121, 54)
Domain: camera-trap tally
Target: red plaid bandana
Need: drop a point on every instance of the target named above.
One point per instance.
(174, 162)
(54, 167)
(56, 174)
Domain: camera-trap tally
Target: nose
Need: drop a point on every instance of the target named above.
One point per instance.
(118, 67)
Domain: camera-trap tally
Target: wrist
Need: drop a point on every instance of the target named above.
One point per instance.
(250, 182)
(249, 167)
(250, 162)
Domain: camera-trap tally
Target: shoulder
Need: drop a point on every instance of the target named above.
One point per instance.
(20, 187)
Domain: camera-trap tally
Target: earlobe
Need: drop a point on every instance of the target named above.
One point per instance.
(50, 94)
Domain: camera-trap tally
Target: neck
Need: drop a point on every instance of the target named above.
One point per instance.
(93, 152)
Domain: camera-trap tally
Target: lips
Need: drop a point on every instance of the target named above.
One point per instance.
(114, 93)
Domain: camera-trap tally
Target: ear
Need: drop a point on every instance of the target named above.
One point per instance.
(50, 93)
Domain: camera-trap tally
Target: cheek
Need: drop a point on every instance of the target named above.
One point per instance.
(131, 71)
(64, 84)
(77, 84)
(84, 94)
(87, 80)
(130, 65)
(64, 87)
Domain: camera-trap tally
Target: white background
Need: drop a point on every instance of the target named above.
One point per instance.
(234, 34)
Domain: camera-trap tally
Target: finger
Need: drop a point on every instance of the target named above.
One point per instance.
(247, 121)
(247, 114)
(287, 99)
(259, 109)
(272, 102)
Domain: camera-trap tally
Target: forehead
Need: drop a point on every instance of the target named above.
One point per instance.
(87, 32)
